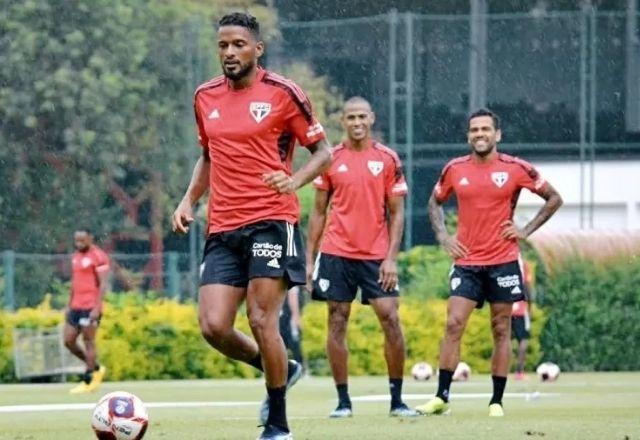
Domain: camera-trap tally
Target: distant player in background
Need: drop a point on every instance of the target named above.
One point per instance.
(89, 275)
(291, 323)
(248, 121)
(485, 250)
(521, 320)
(365, 188)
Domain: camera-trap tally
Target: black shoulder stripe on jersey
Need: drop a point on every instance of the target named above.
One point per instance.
(303, 105)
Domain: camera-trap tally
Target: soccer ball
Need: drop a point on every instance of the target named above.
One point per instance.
(548, 371)
(422, 371)
(119, 416)
(462, 372)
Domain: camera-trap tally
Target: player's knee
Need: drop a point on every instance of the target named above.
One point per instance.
(500, 328)
(213, 329)
(69, 342)
(337, 324)
(259, 321)
(455, 327)
(390, 321)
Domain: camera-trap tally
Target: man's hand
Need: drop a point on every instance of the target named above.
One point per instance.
(511, 232)
(388, 275)
(182, 217)
(310, 269)
(280, 182)
(453, 247)
(95, 313)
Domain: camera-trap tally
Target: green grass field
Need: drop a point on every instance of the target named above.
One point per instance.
(577, 406)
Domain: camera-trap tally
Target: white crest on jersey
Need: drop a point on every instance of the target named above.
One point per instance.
(375, 167)
(259, 110)
(499, 178)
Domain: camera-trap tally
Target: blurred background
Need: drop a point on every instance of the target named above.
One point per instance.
(97, 130)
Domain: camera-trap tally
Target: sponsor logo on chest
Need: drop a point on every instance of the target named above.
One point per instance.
(259, 110)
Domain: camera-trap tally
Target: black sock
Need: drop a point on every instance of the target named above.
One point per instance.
(97, 367)
(256, 362)
(343, 395)
(277, 408)
(499, 383)
(87, 376)
(444, 383)
(395, 389)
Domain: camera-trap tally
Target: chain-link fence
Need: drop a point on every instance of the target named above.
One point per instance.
(27, 278)
(566, 84)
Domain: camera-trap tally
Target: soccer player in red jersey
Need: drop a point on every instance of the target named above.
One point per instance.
(359, 248)
(248, 121)
(485, 249)
(89, 273)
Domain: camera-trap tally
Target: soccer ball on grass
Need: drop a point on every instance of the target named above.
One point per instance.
(119, 416)
(548, 371)
(462, 372)
(422, 371)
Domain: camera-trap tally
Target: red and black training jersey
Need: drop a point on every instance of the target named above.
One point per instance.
(487, 194)
(360, 183)
(85, 284)
(249, 132)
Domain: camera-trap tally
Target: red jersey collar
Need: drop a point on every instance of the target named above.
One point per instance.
(348, 144)
(259, 75)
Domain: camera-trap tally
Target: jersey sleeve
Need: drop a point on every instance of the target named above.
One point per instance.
(300, 119)
(395, 184)
(203, 140)
(101, 261)
(528, 177)
(444, 186)
(322, 182)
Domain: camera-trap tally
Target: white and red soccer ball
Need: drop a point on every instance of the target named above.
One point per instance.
(548, 371)
(462, 372)
(422, 371)
(120, 416)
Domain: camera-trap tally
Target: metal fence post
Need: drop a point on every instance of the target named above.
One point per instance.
(9, 262)
(173, 276)
(409, 41)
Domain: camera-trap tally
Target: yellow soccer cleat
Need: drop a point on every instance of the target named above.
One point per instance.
(435, 406)
(495, 410)
(81, 388)
(96, 379)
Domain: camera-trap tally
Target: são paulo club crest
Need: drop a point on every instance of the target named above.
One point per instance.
(500, 178)
(375, 167)
(259, 110)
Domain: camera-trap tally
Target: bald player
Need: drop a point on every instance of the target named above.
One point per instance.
(359, 239)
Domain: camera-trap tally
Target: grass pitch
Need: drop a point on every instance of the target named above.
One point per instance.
(577, 406)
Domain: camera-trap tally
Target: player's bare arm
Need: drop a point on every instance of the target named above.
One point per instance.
(389, 268)
(317, 220)
(319, 160)
(102, 283)
(450, 243)
(183, 215)
(553, 201)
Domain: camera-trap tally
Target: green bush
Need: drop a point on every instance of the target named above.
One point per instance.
(424, 272)
(593, 312)
(159, 339)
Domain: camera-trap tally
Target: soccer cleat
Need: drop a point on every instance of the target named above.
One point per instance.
(294, 373)
(272, 432)
(495, 410)
(97, 377)
(341, 412)
(81, 388)
(434, 406)
(403, 410)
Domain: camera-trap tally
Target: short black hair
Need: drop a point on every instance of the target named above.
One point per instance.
(486, 112)
(84, 229)
(243, 19)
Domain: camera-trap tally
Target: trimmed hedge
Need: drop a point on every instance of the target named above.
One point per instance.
(594, 312)
(160, 339)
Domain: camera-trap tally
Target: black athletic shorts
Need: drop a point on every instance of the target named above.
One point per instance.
(80, 318)
(338, 278)
(520, 327)
(266, 249)
(493, 283)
